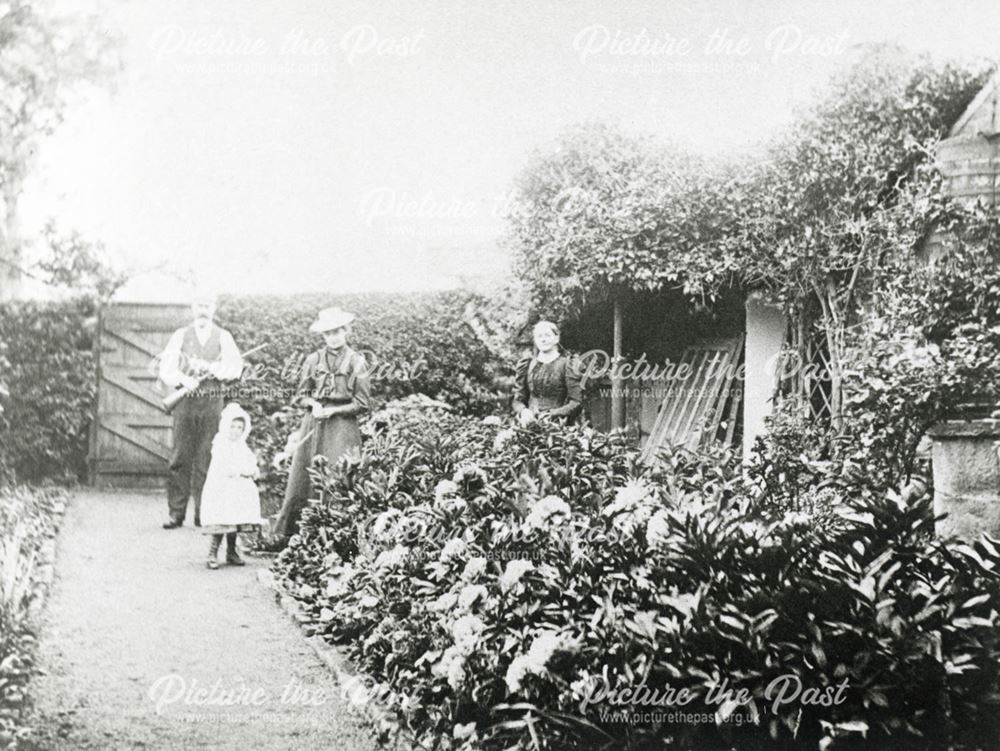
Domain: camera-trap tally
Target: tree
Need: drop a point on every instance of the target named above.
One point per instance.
(74, 262)
(44, 57)
(849, 188)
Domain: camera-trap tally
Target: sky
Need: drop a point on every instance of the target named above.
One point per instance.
(328, 145)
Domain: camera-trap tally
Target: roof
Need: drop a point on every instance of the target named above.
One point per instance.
(984, 104)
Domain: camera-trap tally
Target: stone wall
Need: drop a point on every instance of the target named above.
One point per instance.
(967, 477)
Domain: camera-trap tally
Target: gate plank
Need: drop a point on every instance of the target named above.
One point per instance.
(123, 430)
(132, 340)
(145, 395)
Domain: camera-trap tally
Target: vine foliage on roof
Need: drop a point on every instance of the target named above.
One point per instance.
(605, 210)
(836, 190)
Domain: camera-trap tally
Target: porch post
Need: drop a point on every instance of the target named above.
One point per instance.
(765, 326)
(617, 385)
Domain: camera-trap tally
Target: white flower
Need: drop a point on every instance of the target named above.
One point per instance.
(456, 674)
(466, 631)
(444, 489)
(407, 703)
(384, 521)
(468, 473)
(445, 602)
(337, 584)
(517, 671)
(503, 438)
(461, 732)
(451, 503)
(513, 573)
(630, 508)
(359, 695)
(545, 645)
(491, 420)
(452, 665)
(658, 529)
(583, 687)
(795, 519)
(454, 548)
(632, 494)
(470, 594)
(475, 568)
(549, 510)
(392, 559)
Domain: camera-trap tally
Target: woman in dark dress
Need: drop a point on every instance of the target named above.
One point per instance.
(547, 384)
(334, 390)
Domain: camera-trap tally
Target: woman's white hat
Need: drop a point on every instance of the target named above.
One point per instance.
(329, 319)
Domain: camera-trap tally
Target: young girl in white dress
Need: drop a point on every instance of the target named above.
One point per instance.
(230, 502)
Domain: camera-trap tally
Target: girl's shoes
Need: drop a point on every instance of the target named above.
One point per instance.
(232, 552)
(213, 551)
(233, 559)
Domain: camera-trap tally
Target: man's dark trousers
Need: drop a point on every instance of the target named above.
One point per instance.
(196, 421)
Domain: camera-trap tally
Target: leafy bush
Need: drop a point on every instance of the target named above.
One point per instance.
(28, 520)
(930, 347)
(47, 388)
(497, 582)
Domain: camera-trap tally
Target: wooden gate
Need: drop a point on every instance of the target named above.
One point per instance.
(130, 440)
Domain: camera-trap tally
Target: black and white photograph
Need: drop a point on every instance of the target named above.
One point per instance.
(500, 375)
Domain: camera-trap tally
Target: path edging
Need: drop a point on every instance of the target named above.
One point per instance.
(47, 554)
(353, 687)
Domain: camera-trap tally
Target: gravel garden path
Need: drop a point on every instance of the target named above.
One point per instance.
(143, 647)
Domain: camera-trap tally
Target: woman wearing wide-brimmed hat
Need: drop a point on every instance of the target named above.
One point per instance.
(334, 388)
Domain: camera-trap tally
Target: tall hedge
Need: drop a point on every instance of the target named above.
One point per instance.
(415, 343)
(47, 387)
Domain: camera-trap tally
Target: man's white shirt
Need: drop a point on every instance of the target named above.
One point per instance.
(231, 362)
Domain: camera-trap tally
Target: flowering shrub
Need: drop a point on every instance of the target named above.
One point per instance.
(504, 585)
(28, 521)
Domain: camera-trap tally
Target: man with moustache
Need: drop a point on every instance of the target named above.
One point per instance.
(198, 357)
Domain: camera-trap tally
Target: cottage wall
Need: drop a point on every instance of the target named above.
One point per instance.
(969, 158)
(765, 334)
